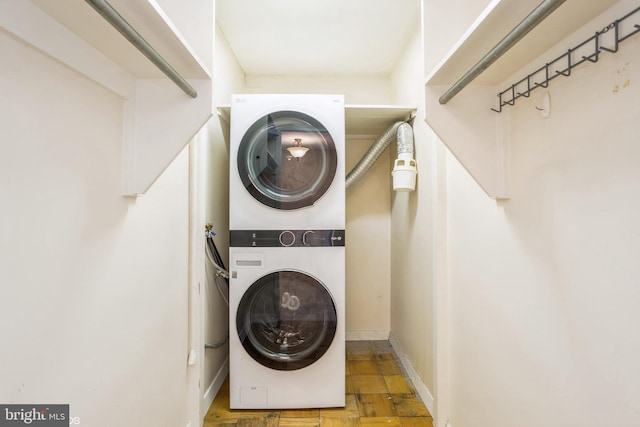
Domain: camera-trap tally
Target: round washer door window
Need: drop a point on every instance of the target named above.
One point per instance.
(287, 160)
(286, 320)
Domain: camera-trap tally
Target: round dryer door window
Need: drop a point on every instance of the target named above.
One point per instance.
(286, 320)
(287, 160)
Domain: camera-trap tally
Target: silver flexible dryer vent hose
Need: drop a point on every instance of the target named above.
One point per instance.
(405, 139)
(401, 131)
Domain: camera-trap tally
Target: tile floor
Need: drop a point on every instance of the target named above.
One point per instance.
(378, 394)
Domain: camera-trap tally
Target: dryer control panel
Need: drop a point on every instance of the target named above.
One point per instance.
(286, 238)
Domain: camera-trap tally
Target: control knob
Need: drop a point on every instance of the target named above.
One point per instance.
(287, 238)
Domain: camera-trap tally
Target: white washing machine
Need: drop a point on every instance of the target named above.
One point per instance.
(287, 162)
(287, 319)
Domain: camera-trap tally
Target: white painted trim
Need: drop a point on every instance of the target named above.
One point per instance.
(367, 335)
(441, 289)
(195, 334)
(214, 387)
(503, 159)
(420, 386)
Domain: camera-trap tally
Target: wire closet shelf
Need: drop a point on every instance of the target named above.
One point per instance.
(606, 40)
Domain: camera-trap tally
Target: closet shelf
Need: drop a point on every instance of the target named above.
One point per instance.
(147, 18)
(475, 134)
(498, 18)
(361, 121)
(159, 119)
(370, 121)
(606, 40)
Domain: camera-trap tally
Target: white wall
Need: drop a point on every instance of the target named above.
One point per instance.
(413, 233)
(544, 287)
(93, 294)
(367, 247)
(213, 153)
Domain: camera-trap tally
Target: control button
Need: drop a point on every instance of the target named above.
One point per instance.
(287, 238)
(304, 237)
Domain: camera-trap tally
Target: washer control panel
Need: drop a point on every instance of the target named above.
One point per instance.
(285, 238)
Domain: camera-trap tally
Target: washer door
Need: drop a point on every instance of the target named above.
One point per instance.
(286, 320)
(287, 160)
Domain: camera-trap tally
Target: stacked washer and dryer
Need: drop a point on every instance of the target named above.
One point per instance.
(287, 251)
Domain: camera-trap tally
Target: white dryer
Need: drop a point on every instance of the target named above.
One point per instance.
(287, 162)
(287, 319)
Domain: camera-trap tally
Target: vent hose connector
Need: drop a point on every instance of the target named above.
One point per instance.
(405, 165)
(404, 168)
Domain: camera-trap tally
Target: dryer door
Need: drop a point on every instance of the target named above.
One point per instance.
(286, 320)
(287, 160)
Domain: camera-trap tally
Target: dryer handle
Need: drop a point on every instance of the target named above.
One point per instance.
(304, 237)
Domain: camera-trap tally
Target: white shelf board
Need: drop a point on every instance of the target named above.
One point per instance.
(477, 136)
(361, 121)
(148, 20)
(496, 21)
(159, 119)
(370, 121)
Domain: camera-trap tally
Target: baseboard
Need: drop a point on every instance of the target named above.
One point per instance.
(421, 388)
(214, 387)
(367, 335)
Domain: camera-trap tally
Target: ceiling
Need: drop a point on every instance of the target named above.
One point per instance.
(318, 37)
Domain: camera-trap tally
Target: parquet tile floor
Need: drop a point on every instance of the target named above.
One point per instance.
(378, 393)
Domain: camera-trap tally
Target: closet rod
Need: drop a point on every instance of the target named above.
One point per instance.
(119, 23)
(543, 10)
